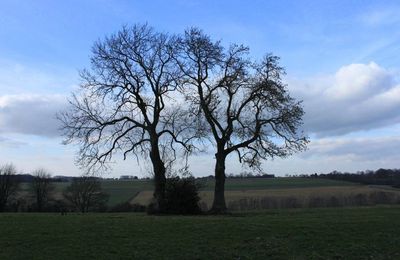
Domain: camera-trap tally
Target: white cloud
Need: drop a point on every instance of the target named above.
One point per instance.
(31, 114)
(358, 149)
(340, 153)
(357, 97)
(359, 81)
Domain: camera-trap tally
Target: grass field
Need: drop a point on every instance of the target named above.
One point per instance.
(125, 190)
(301, 195)
(248, 194)
(122, 191)
(341, 233)
(274, 183)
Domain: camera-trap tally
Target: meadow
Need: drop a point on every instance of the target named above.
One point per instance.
(257, 194)
(254, 193)
(127, 190)
(325, 233)
(284, 231)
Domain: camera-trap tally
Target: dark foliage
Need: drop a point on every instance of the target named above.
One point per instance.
(181, 197)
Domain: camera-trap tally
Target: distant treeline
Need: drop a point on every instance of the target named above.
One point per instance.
(29, 178)
(379, 177)
(244, 175)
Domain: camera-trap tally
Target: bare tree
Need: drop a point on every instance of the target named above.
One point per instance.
(85, 193)
(42, 188)
(127, 104)
(8, 185)
(244, 104)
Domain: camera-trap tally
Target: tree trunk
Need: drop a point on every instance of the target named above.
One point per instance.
(219, 205)
(159, 176)
(39, 201)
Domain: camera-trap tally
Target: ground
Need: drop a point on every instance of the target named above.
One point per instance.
(329, 233)
(254, 194)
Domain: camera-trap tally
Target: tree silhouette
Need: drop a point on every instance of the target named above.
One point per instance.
(243, 106)
(85, 193)
(41, 188)
(128, 105)
(8, 185)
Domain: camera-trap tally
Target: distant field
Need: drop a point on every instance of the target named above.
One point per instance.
(140, 191)
(122, 191)
(340, 233)
(275, 183)
(303, 196)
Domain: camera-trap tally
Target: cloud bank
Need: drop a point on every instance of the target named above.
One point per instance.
(31, 114)
(358, 97)
(360, 149)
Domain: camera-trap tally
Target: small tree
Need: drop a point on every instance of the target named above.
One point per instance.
(42, 188)
(85, 193)
(8, 185)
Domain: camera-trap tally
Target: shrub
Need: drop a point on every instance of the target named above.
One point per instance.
(181, 197)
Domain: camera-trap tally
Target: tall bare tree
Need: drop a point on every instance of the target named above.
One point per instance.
(244, 104)
(42, 187)
(85, 193)
(127, 103)
(8, 185)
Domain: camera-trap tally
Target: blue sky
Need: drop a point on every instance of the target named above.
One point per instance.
(341, 57)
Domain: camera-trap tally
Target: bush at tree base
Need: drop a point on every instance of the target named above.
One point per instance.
(181, 197)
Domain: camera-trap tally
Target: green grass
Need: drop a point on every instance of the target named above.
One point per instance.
(342, 233)
(122, 191)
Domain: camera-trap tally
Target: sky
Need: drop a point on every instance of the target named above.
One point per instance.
(342, 59)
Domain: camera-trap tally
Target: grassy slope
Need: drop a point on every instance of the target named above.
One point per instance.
(344, 233)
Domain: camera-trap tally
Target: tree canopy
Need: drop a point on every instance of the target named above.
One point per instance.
(153, 95)
(127, 103)
(244, 104)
